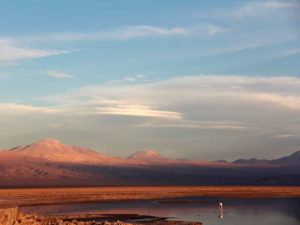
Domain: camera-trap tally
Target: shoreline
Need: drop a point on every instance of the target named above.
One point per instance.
(12, 216)
(49, 196)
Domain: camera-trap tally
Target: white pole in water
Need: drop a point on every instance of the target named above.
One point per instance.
(221, 215)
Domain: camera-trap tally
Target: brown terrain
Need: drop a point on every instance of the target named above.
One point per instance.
(36, 196)
(11, 216)
(10, 198)
(50, 163)
(89, 176)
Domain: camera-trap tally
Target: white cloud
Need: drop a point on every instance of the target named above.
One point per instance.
(21, 109)
(284, 135)
(212, 30)
(261, 8)
(184, 99)
(134, 78)
(59, 75)
(292, 102)
(129, 32)
(9, 53)
(214, 125)
(289, 52)
(137, 110)
(122, 33)
(214, 113)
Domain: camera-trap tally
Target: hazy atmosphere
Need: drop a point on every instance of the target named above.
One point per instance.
(148, 112)
(203, 80)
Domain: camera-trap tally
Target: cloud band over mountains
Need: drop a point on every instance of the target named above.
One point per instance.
(263, 107)
(193, 80)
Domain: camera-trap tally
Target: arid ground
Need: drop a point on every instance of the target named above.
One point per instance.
(37, 196)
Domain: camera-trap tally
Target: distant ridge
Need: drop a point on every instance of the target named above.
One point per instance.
(252, 161)
(53, 150)
(147, 155)
(49, 162)
(293, 159)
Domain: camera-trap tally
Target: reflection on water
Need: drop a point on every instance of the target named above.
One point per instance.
(206, 210)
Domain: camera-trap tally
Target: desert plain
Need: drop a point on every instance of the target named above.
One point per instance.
(41, 196)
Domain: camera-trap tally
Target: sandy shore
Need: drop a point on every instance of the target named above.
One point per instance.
(44, 196)
(38, 196)
(86, 219)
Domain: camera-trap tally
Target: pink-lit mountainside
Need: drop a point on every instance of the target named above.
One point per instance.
(51, 163)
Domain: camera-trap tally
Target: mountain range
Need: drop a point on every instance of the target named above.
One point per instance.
(51, 163)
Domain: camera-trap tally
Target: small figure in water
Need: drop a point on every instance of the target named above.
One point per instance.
(221, 215)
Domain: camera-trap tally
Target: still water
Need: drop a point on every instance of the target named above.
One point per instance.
(205, 210)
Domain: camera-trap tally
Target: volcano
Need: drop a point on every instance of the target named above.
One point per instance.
(49, 162)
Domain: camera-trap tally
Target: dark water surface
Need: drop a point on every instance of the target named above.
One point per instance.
(205, 210)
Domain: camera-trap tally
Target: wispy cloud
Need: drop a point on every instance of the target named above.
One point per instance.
(288, 101)
(261, 8)
(289, 52)
(284, 135)
(134, 78)
(129, 32)
(137, 110)
(179, 98)
(10, 53)
(122, 33)
(211, 111)
(254, 24)
(128, 79)
(58, 74)
(96, 108)
(11, 109)
(209, 125)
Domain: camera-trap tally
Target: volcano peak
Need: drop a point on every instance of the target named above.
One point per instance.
(147, 155)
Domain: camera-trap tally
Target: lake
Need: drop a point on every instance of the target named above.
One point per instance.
(205, 210)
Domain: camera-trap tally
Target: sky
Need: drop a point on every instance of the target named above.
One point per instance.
(191, 79)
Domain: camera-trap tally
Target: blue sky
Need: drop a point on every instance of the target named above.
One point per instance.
(147, 73)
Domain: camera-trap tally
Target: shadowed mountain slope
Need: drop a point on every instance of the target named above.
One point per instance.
(50, 163)
(291, 160)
